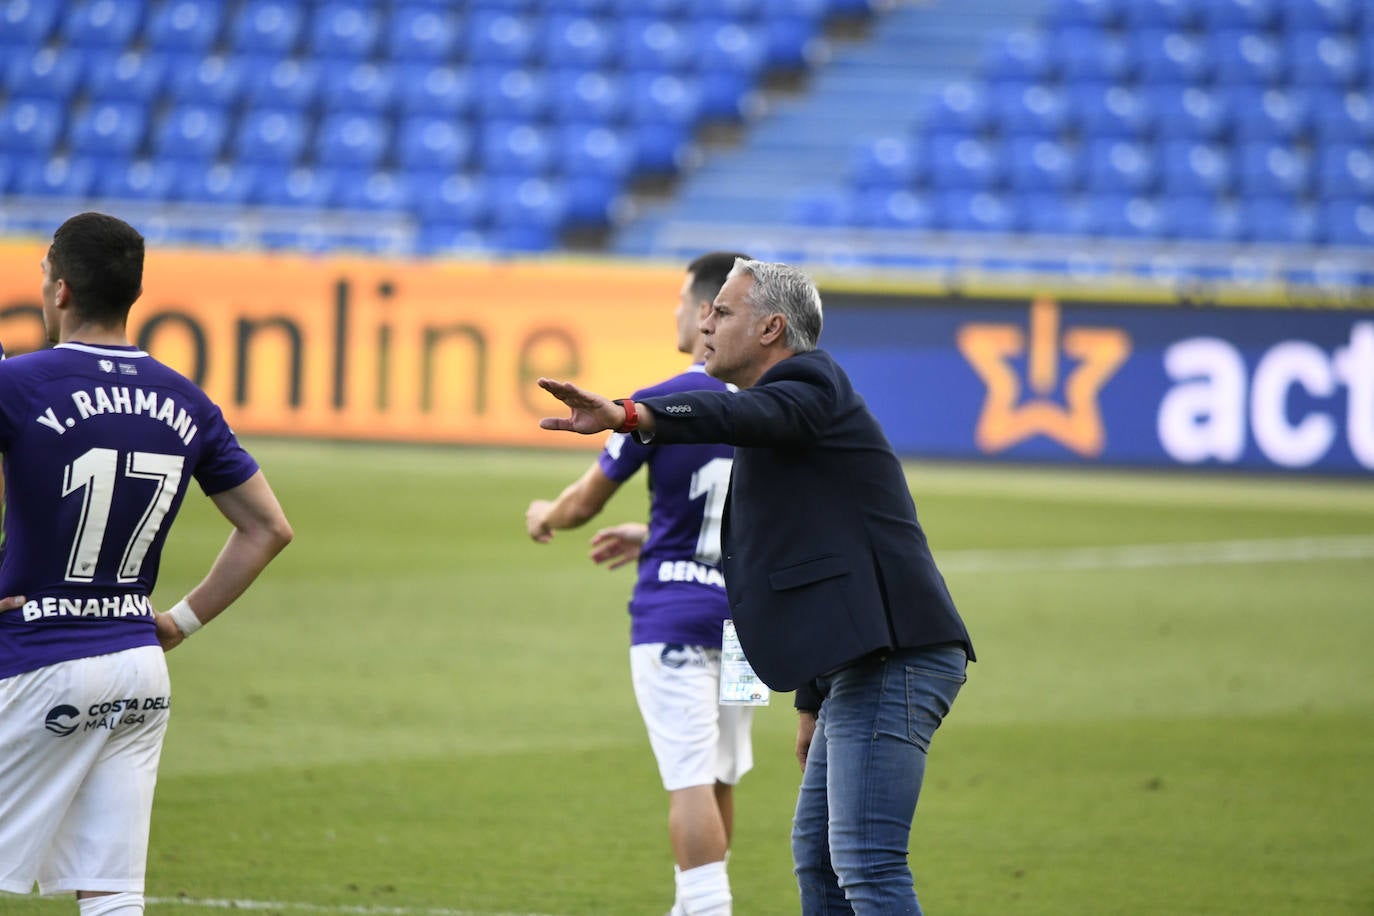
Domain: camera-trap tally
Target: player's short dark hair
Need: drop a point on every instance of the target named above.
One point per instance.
(709, 272)
(101, 259)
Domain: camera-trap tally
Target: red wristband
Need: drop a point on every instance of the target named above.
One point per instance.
(631, 415)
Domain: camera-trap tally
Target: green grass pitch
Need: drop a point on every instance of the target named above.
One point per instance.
(418, 711)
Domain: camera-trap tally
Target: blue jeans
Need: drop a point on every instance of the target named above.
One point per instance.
(863, 776)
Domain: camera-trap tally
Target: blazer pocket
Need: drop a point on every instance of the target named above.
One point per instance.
(808, 573)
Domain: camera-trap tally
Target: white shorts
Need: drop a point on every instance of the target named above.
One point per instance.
(79, 747)
(696, 741)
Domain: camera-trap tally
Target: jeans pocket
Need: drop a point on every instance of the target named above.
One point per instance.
(929, 696)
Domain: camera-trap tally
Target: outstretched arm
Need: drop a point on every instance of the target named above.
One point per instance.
(579, 502)
(591, 413)
(260, 532)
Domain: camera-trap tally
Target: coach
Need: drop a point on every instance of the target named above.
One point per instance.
(831, 583)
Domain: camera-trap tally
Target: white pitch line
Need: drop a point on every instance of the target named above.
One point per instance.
(343, 909)
(1142, 556)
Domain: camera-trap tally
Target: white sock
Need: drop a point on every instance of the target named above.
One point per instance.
(677, 909)
(125, 904)
(704, 890)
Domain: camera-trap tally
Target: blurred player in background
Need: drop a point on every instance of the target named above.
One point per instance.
(677, 611)
(101, 442)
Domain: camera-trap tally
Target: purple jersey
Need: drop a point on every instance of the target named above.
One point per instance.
(100, 447)
(680, 594)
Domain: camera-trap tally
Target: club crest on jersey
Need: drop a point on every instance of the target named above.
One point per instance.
(106, 365)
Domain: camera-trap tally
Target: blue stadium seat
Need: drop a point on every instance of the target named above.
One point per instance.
(127, 76)
(1193, 168)
(224, 183)
(1348, 222)
(185, 26)
(962, 163)
(1022, 56)
(722, 45)
(27, 23)
(269, 135)
(959, 107)
(594, 151)
(789, 39)
(660, 147)
(195, 132)
(515, 147)
(285, 82)
(101, 23)
(582, 7)
(891, 208)
(1053, 214)
(434, 143)
(1126, 216)
(1326, 15)
(455, 201)
(1162, 14)
(1121, 167)
(1094, 13)
(214, 80)
(1091, 55)
(513, 93)
(359, 87)
(31, 125)
(531, 201)
(1277, 220)
(375, 191)
(304, 187)
(590, 199)
(1243, 56)
(1038, 165)
(1346, 171)
(658, 9)
(657, 45)
(419, 31)
(352, 140)
(41, 74)
(734, 10)
(140, 179)
(59, 176)
(436, 89)
(974, 211)
(345, 30)
(1188, 112)
(1273, 170)
(665, 97)
(1170, 57)
(1110, 111)
(830, 207)
(579, 41)
(268, 27)
(1346, 117)
(8, 166)
(724, 94)
(1200, 217)
(1321, 59)
(1032, 110)
(885, 163)
(587, 95)
(1267, 114)
(498, 37)
(114, 128)
(1239, 14)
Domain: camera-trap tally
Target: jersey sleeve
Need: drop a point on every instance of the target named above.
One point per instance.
(224, 463)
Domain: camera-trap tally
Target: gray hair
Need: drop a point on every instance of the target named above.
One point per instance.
(781, 289)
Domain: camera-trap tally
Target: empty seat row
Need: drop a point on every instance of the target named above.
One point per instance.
(1213, 14)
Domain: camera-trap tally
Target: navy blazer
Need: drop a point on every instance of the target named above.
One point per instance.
(824, 560)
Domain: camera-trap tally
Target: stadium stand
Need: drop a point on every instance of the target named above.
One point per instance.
(1216, 132)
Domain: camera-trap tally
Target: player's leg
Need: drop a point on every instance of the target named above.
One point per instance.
(734, 755)
(101, 847)
(881, 716)
(45, 729)
(677, 692)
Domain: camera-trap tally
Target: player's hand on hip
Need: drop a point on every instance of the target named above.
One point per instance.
(806, 730)
(619, 544)
(169, 635)
(591, 413)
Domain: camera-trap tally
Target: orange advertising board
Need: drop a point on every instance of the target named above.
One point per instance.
(355, 348)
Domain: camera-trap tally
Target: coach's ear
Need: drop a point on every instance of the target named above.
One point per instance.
(774, 329)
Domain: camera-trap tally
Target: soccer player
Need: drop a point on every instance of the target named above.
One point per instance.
(677, 611)
(101, 442)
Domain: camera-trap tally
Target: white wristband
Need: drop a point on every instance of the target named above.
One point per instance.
(185, 618)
